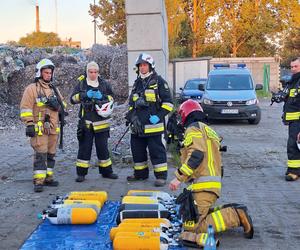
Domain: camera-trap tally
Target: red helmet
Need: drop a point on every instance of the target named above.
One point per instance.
(188, 107)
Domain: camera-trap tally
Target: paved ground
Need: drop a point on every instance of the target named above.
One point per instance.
(254, 171)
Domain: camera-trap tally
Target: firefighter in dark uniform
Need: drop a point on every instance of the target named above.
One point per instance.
(96, 105)
(149, 102)
(291, 117)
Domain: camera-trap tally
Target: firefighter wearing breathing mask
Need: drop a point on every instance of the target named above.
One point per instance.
(39, 110)
(201, 170)
(94, 95)
(149, 102)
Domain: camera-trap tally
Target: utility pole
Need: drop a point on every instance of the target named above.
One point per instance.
(56, 31)
(95, 25)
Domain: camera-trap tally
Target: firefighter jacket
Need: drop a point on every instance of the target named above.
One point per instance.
(150, 96)
(291, 108)
(87, 112)
(34, 109)
(201, 159)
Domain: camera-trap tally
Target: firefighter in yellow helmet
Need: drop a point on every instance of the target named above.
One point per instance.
(40, 107)
(201, 170)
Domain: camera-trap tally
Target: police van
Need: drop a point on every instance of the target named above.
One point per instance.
(230, 94)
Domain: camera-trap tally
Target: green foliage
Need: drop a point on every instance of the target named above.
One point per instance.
(40, 39)
(216, 28)
(112, 19)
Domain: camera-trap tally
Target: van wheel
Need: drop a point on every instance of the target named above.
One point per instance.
(256, 120)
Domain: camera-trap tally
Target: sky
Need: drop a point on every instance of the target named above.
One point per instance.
(17, 18)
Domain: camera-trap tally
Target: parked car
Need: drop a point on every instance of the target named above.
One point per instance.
(230, 94)
(191, 89)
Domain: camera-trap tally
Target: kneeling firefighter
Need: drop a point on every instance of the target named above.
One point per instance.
(201, 169)
(96, 105)
(41, 106)
(149, 102)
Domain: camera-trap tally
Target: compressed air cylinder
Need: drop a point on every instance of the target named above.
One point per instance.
(132, 214)
(138, 241)
(155, 194)
(100, 196)
(132, 228)
(71, 215)
(155, 222)
(158, 206)
(139, 200)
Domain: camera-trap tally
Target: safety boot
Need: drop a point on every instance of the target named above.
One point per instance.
(160, 183)
(49, 181)
(80, 178)
(194, 240)
(110, 176)
(291, 177)
(38, 185)
(134, 178)
(245, 221)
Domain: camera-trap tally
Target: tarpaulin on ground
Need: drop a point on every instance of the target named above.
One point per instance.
(95, 236)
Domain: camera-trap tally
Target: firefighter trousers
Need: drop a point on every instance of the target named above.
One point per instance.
(85, 152)
(293, 153)
(44, 147)
(157, 152)
(222, 218)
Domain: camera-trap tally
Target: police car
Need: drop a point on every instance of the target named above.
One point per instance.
(230, 94)
(191, 89)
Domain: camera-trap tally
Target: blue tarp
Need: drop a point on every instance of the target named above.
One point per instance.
(95, 236)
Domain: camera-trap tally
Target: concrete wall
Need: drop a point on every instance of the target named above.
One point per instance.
(256, 66)
(180, 70)
(147, 32)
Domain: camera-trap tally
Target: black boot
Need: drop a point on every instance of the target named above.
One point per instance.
(110, 176)
(80, 178)
(50, 182)
(38, 188)
(134, 178)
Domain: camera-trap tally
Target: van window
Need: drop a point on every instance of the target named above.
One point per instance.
(194, 84)
(229, 82)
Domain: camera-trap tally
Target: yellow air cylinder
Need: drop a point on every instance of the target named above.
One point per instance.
(137, 241)
(132, 191)
(100, 196)
(72, 215)
(87, 203)
(132, 228)
(139, 200)
(145, 221)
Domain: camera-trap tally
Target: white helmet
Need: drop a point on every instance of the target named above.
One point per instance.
(43, 64)
(106, 109)
(145, 58)
(298, 144)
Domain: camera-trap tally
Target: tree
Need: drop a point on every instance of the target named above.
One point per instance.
(40, 39)
(113, 19)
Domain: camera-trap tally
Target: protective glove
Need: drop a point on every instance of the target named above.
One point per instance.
(30, 131)
(136, 125)
(97, 95)
(90, 94)
(83, 96)
(154, 119)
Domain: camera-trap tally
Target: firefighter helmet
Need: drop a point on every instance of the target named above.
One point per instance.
(145, 58)
(106, 109)
(187, 108)
(43, 64)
